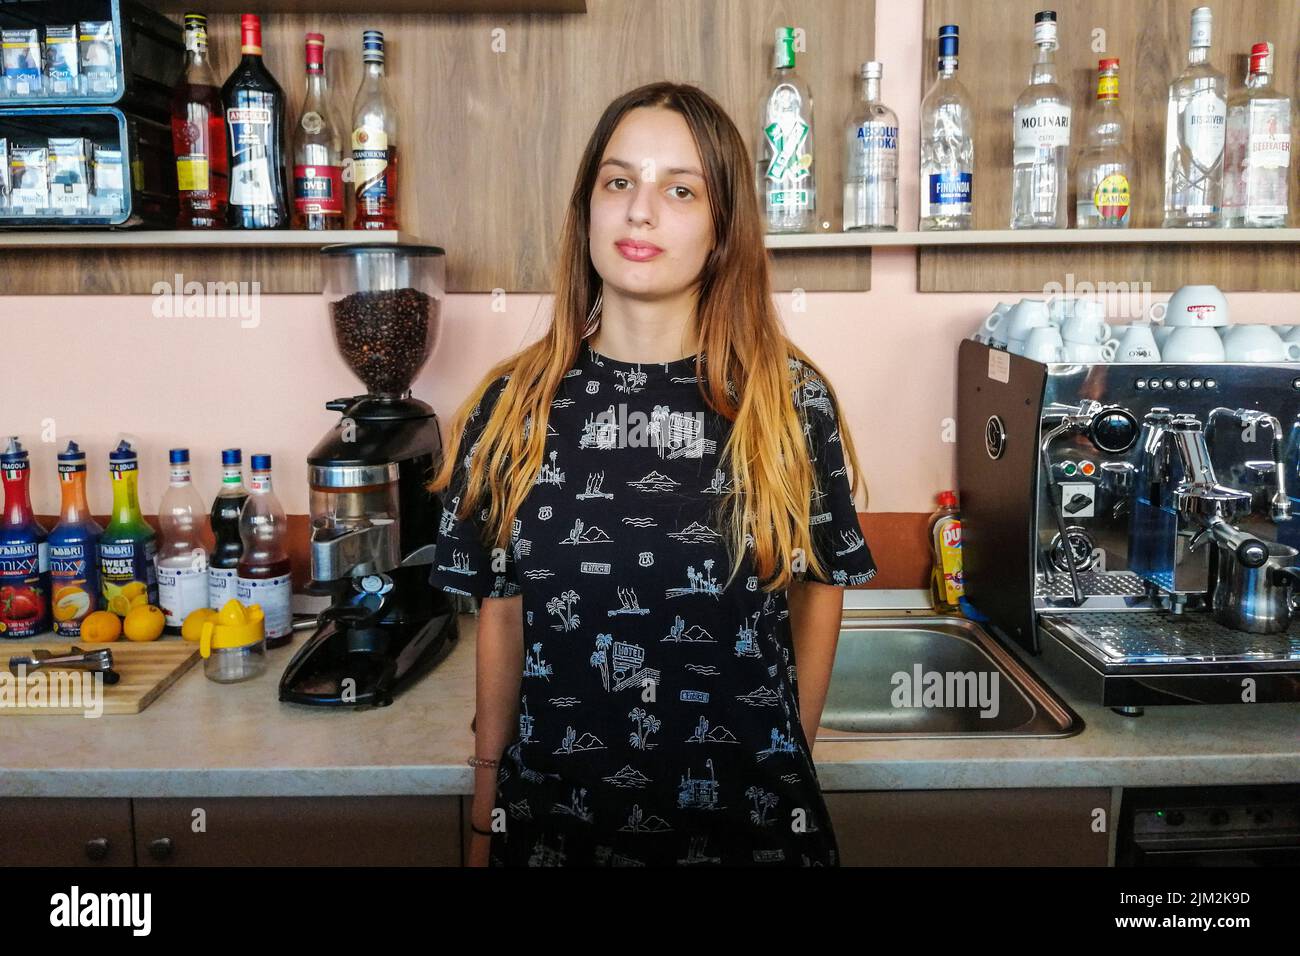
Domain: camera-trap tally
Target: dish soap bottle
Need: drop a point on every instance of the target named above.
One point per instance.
(128, 545)
(24, 555)
(945, 543)
(74, 548)
(183, 546)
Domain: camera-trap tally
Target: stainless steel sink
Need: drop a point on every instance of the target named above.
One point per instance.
(883, 666)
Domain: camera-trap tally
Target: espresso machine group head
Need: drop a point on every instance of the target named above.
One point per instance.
(373, 523)
(1134, 524)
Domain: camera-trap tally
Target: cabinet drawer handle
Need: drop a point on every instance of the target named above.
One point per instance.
(97, 849)
(161, 848)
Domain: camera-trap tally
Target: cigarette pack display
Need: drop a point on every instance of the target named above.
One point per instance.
(89, 53)
(69, 176)
(29, 172)
(4, 174)
(62, 71)
(22, 61)
(98, 57)
(96, 165)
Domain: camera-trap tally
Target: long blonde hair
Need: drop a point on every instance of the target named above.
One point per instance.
(738, 330)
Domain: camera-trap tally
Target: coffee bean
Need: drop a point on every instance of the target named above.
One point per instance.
(385, 336)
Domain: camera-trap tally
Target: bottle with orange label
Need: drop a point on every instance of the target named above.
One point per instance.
(74, 548)
(945, 542)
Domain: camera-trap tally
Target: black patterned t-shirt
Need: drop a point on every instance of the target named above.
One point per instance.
(659, 716)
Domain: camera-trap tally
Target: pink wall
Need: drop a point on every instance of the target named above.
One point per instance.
(94, 367)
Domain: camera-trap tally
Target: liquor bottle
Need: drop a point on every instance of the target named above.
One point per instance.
(871, 160)
(199, 136)
(317, 151)
(184, 540)
(227, 547)
(1104, 179)
(74, 548)
(127, 576)
(262, 576)
(786, 179)
(947, 144)
(1195, 126)
(1040, 184)
(255, 118)
(374, 141)
(1258, 151)
(24, 552)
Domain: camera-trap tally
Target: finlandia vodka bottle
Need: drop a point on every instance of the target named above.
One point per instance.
(785, 154)
(871, 160)
(1040, 183)
(947, 144)
(1194, 135)
(1258, 151)
(1104, 178)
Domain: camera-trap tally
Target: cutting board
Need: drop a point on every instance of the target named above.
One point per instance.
(146, 669)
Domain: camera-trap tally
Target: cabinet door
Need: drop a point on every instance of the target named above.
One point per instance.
(298, 831)
(1062, 827)
(56, 831)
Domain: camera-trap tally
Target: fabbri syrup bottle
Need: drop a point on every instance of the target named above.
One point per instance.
(262, 576)
(74, 548)
(24, 554)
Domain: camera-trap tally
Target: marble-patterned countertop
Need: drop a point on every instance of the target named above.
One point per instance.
(205, 739)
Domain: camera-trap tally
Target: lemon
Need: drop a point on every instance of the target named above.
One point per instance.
(144, 623)
(134, 589)
(120, 606)
(192, 627)
(139, 600)
(100, 627)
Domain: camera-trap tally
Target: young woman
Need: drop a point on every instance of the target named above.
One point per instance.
(652, 500)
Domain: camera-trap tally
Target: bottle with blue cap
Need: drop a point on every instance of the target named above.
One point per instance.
(24, 553)
(374, 141)
(184, 542)
(74, 548)
(227, 547)
(947, 144)
(127, 577)
(263, 575)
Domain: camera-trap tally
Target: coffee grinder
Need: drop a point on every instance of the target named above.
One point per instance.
(373, 523)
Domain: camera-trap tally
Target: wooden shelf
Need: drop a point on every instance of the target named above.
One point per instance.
(494, 7)
(197, 239)
(1033, 237)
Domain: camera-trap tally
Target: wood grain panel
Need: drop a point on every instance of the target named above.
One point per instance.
(1150, 38)
(146, 671)
(490, 136)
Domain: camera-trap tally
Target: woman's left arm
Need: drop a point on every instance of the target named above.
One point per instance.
(816, 611)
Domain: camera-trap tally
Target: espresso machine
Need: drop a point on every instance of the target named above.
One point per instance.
(1135, 526)
(373, 523)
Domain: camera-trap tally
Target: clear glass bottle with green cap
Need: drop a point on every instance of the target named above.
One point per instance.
(786, 176)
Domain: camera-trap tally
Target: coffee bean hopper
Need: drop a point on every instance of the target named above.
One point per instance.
(373, 524)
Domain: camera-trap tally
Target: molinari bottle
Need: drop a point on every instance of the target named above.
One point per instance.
(227, 548)
(262, 576)
(255, 118)
(945, 543)
(128, 544)
(183, 546)
(24, 556)
(74, 548)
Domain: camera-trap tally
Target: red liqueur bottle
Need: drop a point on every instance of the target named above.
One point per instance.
(199, 135)
(317, 151)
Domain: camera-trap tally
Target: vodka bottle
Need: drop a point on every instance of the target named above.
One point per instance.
(1041, 139)
(1194, 135)
(785, 156)
(1258, 152)
(1104, 179)
(947, 144)
(871, 160)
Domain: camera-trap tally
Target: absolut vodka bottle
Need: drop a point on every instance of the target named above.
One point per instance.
(871, 160)
(1041, 136)
(947, 144)
(786, 182)
(1195, 126)
(1258, 150)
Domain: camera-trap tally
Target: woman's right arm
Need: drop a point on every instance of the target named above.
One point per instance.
(499, 653)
